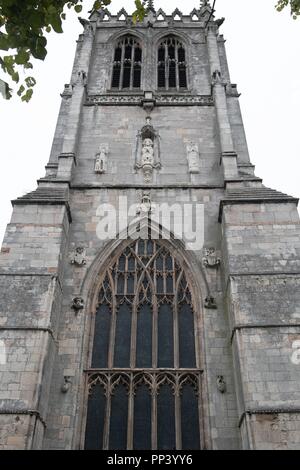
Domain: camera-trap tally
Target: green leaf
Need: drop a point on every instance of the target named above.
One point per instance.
(78, 8)
(22, 57)
(28, 95)
(21, 90)
(30, 82)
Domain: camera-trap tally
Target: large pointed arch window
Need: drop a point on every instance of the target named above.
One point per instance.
(127, 64)
(171, 64)
(144, 377)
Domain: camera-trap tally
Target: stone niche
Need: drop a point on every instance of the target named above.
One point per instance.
(147, 151)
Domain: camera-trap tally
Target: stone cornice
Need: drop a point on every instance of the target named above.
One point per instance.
(130, 99)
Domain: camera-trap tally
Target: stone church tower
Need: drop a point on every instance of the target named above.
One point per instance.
(148, 339)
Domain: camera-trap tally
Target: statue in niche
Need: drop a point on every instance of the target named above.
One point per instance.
(193, 157)
(147, 153)
(101, 159)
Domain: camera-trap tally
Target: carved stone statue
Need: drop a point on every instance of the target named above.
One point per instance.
(146, 206)
(210, 260)
(147, 162)
(193, 157)
(101, 159)
(78, 257)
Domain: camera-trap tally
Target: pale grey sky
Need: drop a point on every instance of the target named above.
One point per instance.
(263, 49)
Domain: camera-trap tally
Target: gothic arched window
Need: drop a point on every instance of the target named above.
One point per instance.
(127, 64)
(171, 64)
(144, 380)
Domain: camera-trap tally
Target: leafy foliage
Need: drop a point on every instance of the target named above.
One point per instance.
(293, 4)
(23, 28)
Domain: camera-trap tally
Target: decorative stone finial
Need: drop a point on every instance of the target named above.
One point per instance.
(150, 6)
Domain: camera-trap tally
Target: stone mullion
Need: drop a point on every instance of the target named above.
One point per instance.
(130, 421)
(111, 347)
(175, 331)
(133, 332)
(122, 67)
(177, 414)
(106, 427)
(154, 392)
(132, 67)
(176, 66)
(154, 331)
(166, 67)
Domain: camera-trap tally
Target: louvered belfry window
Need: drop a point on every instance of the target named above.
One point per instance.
(127, 64)
(171, 65)
(144, 380)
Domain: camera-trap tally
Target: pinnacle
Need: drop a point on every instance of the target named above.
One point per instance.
(150, 6)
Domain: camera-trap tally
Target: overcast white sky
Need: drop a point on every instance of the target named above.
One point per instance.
(263, 49)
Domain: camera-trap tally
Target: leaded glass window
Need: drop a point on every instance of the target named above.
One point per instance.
(127, 64)
(144, 379)
(171, 65)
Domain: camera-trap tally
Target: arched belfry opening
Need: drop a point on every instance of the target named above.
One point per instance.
(144, 371)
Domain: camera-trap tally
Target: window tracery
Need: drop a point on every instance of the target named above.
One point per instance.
(144, 380)
(127, 64)
(171, 64)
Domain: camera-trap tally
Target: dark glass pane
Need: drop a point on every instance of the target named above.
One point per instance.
(120, 284)
(181, 54)
(137, 77)
(122, 341)
(160, 284)
(189, 418)
(126, 76)
(144, 337)
(170, 283)
(128, 52)
(161, 77)
(171, 52)
(131, 263)
(122, 263)
(172, 75)
(101, 337)
(141, 247)
(118, 54)
(165, 418)
(138, 54)
(161, 54)
(159, 263)
(186, 336)
(118, 420)
(95, 419)
(182, 77)
(142, 418)
(149, 247)
(169, 263)
(130, 284)
(116, 77)
(165, 336)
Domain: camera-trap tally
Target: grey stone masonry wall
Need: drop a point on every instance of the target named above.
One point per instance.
(30, 297)
(261, 245)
